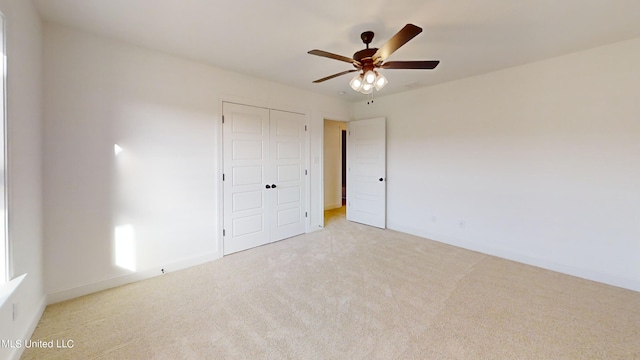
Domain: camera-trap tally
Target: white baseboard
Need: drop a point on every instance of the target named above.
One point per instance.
(75, 292)
(17, 352)
(588, 274)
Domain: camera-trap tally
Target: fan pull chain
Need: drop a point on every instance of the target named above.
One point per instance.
(370, 101)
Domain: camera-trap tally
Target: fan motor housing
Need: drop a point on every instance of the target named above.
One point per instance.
(364, 54)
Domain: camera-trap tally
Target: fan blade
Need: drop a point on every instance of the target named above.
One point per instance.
(332, 56)
(428, 65)
(407, 33)
(334, 75)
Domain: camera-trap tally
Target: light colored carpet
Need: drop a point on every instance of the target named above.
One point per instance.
(350, 292)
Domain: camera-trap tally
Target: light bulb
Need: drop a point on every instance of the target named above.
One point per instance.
(369, 77)
(367, 88)
(356, 83)
(381, 81)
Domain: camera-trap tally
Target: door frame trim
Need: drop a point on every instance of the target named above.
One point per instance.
(321, 156)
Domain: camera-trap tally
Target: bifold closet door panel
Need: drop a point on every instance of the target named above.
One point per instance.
(246, 163)
(287, 149)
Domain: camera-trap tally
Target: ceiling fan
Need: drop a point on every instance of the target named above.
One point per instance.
(367, 61)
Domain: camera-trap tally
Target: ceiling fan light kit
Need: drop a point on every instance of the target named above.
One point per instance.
(366, 83)
(367, 61)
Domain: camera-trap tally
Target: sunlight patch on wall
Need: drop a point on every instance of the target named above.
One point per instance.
(125, 242)
(117, 149)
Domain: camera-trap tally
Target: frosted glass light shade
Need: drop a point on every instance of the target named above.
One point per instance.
(369, 77)
(367, 88)
(381, 81)
(356, 83)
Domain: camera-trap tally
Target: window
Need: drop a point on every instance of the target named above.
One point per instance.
(4, 242)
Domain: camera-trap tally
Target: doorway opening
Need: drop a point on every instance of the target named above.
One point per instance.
(335, 168)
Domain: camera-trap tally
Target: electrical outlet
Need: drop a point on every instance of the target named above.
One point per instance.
(15, 311)
(462, 224)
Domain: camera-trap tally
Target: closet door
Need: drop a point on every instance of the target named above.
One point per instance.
(264, 176)
(288, 198)
(246, 165)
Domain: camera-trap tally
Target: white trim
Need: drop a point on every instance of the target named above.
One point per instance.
(218, 180)
(5, 269)
(75, 292)
(263, 104)
(307, 166)
(8, 288)
(323, 207)
(17, 351)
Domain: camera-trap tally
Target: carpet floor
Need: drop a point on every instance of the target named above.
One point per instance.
(349, 292)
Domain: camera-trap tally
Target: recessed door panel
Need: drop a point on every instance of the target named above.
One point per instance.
(288, 217)
(246, 175)
(290, 172)
(247, 150)
(290, 195)
(245, 123)
(366, 187)
(288, 127)
(365, 170)
(247, 200)
(364, 152)
(247, 225)
(288, 150)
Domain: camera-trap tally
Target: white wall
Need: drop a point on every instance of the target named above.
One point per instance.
(333, 163)
(540, 162)
(24, 122)
(165, 113)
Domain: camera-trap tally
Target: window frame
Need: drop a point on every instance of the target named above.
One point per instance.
(5, 249)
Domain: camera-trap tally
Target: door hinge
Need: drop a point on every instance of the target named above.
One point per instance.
(306, 214)
(305, 128)
(305, 172)
(224, 232)
(223, 119)
(222, 177)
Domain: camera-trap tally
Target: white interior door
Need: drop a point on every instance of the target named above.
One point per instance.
(366, 172)
(264, 192)
(246, 160)
(288, 198)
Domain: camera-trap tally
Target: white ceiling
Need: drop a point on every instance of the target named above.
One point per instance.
(270, 39)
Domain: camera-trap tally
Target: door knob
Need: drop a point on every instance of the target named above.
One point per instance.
(273, 186)
(381, 179)
(268, 186)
